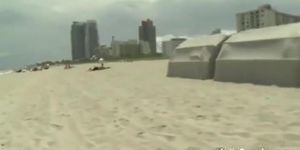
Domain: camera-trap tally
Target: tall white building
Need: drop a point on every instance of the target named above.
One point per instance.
(264, 16)
(115, 48)
(125, 49)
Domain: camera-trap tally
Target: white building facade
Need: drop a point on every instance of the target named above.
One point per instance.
(264, 16)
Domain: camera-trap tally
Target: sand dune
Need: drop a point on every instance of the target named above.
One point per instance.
(134, 106)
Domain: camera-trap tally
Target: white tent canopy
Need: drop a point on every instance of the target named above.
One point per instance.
(195, 57)
(202, 41)
(263, 56)
(267, 33)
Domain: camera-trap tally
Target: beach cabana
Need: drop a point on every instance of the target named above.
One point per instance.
(269, 56)
(195, 58)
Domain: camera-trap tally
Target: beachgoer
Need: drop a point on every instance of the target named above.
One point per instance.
(68, 66)
(101, 61)
(94, 68)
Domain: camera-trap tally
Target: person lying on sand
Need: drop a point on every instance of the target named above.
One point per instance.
(98, 68)
(94, 68)
(20, 71)
(36, 69)
(47, 66)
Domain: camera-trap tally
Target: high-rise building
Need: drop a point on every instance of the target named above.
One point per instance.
(84, 38)
(168, 47)
(91, 38)
(147, 33)
(264, 16)
(77, 40)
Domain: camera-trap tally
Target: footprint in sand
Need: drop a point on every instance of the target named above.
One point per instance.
(197, 106)
(136, 109)
(4, 143)
(158, 105)
(124, 121)
(64, 115)
(216, 117)
(30, 119)
(51, 143)
(146, 119)
(236, 109)
(158, 128)
(291, 137)
(164, 112)
(200, 117)
(160, 112)
(37, 141)
(209, 133)
(239, 134)
(193, 148)
(140, 134)
(115, 110)
(57, 126)
(90, 145)
(121, 122)
(117, 126)
(159, 131)
(41, 133)
(169, 137)
(294, 124)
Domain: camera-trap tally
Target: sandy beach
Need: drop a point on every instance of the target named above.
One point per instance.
(134, 106)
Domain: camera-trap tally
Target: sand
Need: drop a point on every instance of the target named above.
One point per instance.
(134, 106)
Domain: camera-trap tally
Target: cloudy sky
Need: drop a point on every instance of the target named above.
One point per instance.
(36, 30)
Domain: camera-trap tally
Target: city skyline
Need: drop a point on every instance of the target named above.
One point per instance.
(42, 27)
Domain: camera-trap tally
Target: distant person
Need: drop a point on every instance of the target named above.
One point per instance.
(94, 68)
(94, 58)
(47, 66)
(101, 61)
(68, 66)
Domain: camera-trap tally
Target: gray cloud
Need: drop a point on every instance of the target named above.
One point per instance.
(12, 17)
(35, 30)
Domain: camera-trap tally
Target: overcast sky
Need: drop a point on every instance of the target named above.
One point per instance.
(36, 30)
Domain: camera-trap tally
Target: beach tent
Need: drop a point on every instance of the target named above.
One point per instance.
(269, 56)
(195, 58)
